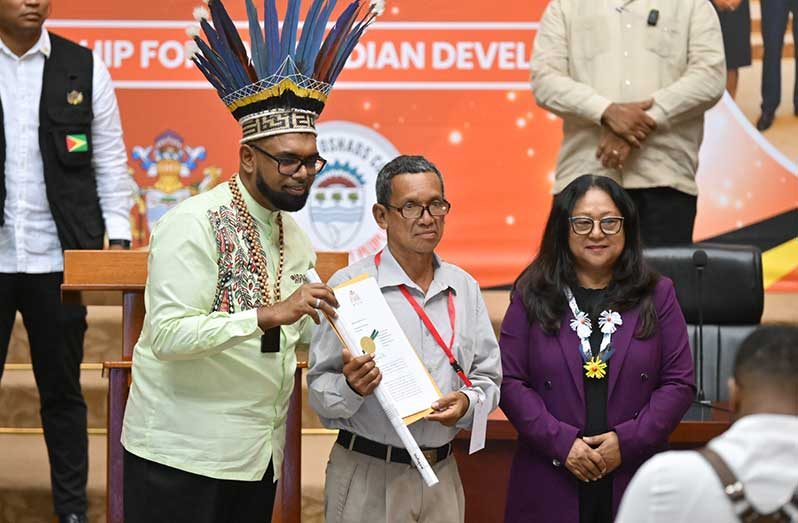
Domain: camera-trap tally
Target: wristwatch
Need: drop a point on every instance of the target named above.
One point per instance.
(125, 244)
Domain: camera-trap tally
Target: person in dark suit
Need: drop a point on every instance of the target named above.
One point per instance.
(775, 15)
(735, 24)
(597, 366)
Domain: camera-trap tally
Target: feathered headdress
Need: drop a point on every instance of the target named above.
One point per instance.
(284, 85)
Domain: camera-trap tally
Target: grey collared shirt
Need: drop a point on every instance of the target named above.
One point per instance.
(475, 348)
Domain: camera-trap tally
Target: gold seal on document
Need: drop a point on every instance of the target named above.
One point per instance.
(74, 98)
(368, 345)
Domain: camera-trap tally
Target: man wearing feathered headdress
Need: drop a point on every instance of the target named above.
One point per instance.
(226, 305)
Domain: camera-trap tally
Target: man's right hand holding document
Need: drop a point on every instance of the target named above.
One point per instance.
(410, 360)
(363, 376)
(361, 373)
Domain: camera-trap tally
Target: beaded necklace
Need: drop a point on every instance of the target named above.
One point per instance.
(252, 237)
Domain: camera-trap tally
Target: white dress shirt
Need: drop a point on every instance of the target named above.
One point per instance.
(29, 241)
(761, 450)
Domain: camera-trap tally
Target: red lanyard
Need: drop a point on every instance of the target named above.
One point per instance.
(431, 328)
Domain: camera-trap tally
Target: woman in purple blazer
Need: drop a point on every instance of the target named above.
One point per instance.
(597, 367)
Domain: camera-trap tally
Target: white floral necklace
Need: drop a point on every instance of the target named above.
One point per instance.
(595, 366)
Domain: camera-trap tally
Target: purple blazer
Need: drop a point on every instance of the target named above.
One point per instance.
(651, 386)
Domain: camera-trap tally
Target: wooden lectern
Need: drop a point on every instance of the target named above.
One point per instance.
(126, 272)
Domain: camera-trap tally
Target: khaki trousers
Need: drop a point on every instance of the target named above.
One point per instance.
(362, 489)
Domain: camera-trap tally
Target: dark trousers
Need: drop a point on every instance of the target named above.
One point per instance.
(56, 335)
(595, 501)
(667, 216)
(156, 493)
(775, 14)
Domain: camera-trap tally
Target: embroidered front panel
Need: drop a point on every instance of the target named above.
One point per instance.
(237, 284)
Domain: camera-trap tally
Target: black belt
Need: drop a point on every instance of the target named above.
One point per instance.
(388, 453)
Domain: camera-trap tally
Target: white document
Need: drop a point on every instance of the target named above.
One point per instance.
(355, 345)
(405, 379)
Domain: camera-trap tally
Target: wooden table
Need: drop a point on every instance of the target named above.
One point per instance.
(486, 473)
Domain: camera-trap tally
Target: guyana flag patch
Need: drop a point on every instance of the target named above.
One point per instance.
(77, 143)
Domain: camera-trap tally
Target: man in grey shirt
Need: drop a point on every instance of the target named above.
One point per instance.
(369, 475)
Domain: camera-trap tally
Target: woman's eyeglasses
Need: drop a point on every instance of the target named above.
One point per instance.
(583, 225)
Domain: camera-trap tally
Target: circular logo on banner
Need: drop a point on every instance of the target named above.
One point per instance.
(338, 216)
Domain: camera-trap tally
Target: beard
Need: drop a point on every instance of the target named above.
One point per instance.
(280, 200)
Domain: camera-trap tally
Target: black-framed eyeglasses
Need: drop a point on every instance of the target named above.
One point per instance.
(413, 210)
(583, 225)
(289, 166)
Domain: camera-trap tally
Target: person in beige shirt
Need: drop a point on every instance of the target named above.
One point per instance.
(631, 80)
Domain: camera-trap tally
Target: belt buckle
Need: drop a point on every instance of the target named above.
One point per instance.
(431, 455)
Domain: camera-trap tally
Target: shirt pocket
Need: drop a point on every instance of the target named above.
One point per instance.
(71, 135)
(590, 35)
(663, 40)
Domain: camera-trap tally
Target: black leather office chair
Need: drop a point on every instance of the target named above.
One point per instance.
(732, 298)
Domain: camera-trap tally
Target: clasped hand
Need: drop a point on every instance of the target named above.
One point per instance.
(625, 125)
(630, 121)
(593, 457)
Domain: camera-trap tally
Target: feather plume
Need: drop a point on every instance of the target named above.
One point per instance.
(229, 34)
(343, 53)
(334, 41)
(316, 37)
(197, 59)
(192, 31)
(256, 40)
(350, 42)
(307, 30)
(217, 62)
(219, 45)
(271, 33)
(288, 36)
(211, 69)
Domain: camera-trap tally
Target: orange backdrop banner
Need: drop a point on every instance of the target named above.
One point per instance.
(442, 79)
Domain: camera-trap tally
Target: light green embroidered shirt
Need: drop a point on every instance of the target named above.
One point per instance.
(204, 399)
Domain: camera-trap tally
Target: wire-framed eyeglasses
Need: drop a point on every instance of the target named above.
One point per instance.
(289, 166)
(413, 210)
(583, 225)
